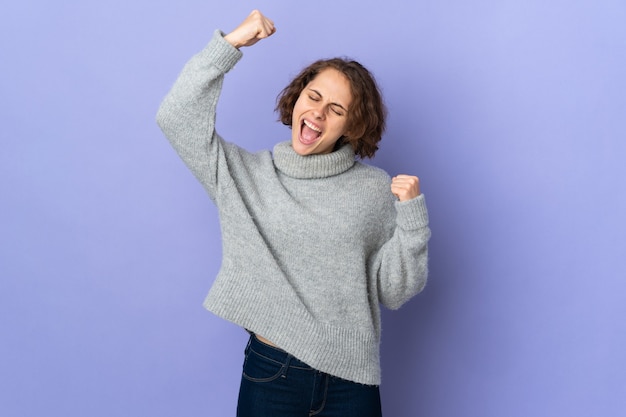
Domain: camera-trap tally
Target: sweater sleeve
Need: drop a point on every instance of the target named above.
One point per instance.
(187, 114)
(403, 259)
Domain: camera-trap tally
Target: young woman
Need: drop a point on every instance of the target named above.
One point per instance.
(313, 240)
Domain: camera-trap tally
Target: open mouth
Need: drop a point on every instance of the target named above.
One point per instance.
(309, 132)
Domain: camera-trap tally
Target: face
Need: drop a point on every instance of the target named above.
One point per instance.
(320, 115)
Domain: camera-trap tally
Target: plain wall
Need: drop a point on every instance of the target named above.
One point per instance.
(511, 112)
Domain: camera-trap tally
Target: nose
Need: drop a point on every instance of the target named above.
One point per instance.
(319, 111)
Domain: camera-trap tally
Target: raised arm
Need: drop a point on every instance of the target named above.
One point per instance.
(187, 114)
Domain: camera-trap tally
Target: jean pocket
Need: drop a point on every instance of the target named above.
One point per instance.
(258, 368)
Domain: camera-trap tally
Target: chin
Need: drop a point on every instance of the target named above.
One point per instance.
(302, 149)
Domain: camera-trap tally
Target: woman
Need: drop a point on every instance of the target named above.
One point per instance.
(313, 241)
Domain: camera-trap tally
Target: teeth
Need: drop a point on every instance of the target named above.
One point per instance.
(311, 126)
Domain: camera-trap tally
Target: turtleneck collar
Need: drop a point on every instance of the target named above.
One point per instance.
(312, 166)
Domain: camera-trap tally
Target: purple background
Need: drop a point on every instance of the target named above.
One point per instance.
(513, 113)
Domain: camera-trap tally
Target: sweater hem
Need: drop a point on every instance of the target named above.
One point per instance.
(347, 353)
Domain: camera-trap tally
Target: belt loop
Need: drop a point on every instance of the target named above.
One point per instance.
(286, 365)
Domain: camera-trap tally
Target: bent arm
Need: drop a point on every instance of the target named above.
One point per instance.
(403, 268)
(187, 114)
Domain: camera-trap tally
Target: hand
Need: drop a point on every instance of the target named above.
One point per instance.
(405, 187)
(250, 31)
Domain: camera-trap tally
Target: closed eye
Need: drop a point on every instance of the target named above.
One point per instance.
(337, 110)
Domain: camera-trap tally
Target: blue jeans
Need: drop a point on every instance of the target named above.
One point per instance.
(275, 384)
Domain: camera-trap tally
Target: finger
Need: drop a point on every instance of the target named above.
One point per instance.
(406, 178)
(401, 183)
(260, 30)
(268, 28)
(261, 20)
(269, 24)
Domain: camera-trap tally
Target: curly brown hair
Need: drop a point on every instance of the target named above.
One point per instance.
(366, 116)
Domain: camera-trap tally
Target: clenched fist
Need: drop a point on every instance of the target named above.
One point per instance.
(405, 187)
(250, 31)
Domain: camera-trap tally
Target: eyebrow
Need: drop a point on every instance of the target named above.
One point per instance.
(332, 104)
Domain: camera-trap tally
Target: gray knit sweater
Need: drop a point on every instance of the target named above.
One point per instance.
(311, 244)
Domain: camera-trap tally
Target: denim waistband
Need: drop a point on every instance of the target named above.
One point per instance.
(275, 353)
